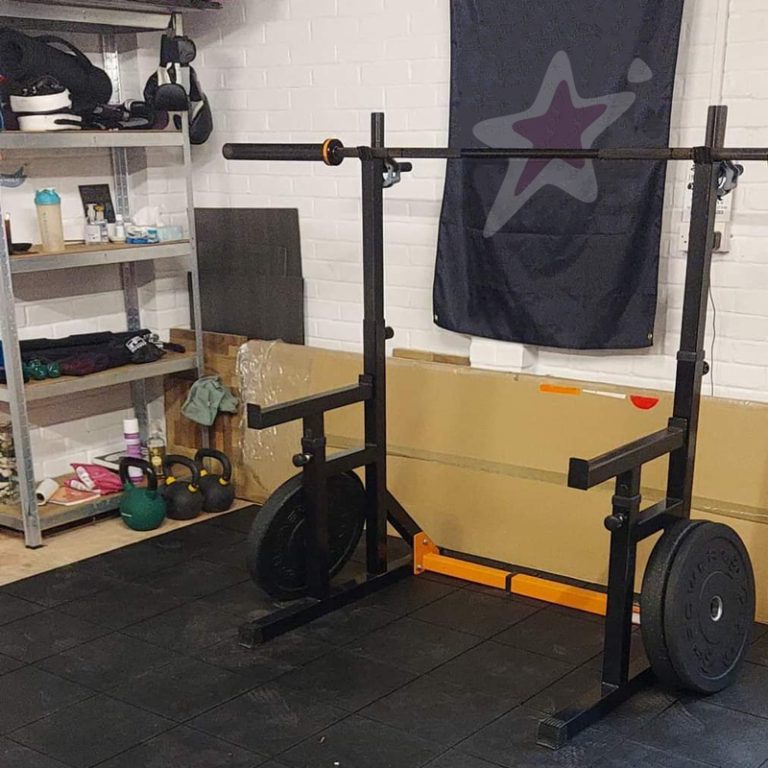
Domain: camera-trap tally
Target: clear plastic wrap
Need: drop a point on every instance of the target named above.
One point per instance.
(270, 372)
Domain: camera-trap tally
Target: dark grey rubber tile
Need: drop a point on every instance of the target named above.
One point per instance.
(347, 680)
(409, 595)
(758, 652)
(14, 755)
(758, 631)
(748, 694)
(182, 689)
(188, 629)
(60, 586)
(29, 694)
(701, 731)
(510, 741)
(413, 645)
(103, 663)
(631, 755)
(240, 520)
(202, 539)
(124, 605)
(91, 731)
(12, 608)
(232, 556)
(455, 759)
(45, 634)
(7, 664)
(184, 748)
(476, 613)
(347, 624)
(436, 711)
(244, 600)
(293, 649)
(194, 578)
(138, 560)
(361, 743)
(268, 719)
(258, 667)
(556, 634)
(510, 674)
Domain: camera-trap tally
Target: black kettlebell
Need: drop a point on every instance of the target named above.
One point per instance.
(183, 499)
(218, 490)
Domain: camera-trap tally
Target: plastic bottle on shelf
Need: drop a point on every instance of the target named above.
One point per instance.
(101, 222)
(48, 205)
(92, 229)
(132, 445)
(156, 449)
(119, 228)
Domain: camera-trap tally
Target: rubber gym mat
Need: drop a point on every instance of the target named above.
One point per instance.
(430, 672)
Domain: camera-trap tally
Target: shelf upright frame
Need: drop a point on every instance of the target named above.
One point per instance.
(194, 272)
(17, 404)
(120, 175)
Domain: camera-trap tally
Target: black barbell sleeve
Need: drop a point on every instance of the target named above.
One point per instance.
(327, 152)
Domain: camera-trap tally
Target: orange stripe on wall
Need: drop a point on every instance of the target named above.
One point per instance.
(554, 389)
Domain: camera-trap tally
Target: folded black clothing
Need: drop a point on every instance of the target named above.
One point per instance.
(143, 349)
(85, 363)
(131, 115)
(79, 340)
(105, 350)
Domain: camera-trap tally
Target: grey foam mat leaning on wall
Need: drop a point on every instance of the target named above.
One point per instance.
(250, 272)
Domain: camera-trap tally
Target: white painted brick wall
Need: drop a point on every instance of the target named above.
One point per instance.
(298, 70)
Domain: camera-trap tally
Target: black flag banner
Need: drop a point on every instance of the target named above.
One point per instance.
(559, 253)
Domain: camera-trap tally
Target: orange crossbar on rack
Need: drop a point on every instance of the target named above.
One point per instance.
(427, 558)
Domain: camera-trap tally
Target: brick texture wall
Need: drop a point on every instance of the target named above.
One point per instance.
(299, 70)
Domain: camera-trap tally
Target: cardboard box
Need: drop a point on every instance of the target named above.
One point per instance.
(480, 458)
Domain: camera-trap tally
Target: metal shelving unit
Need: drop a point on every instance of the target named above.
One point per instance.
(106, 18)
(90, 139)
(90, 255)
(71, 385)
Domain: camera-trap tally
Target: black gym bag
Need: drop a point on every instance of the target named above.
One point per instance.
(24, 58)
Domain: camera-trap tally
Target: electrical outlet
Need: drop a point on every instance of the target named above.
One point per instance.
(723, 239)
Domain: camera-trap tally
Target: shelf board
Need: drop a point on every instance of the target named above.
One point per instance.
(89, 139)
(107, 16)
(173, 362)
(56, 515)
(83, 255)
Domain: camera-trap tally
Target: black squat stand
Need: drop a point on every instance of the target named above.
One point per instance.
(316, 468)
(628, 523)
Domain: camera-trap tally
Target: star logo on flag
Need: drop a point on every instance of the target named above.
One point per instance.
(559, 118)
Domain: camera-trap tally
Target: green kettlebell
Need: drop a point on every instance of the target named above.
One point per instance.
(183, 500)
(142, 509)
(218, 490)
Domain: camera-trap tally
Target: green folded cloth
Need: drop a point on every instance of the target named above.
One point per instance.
(206, 398)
